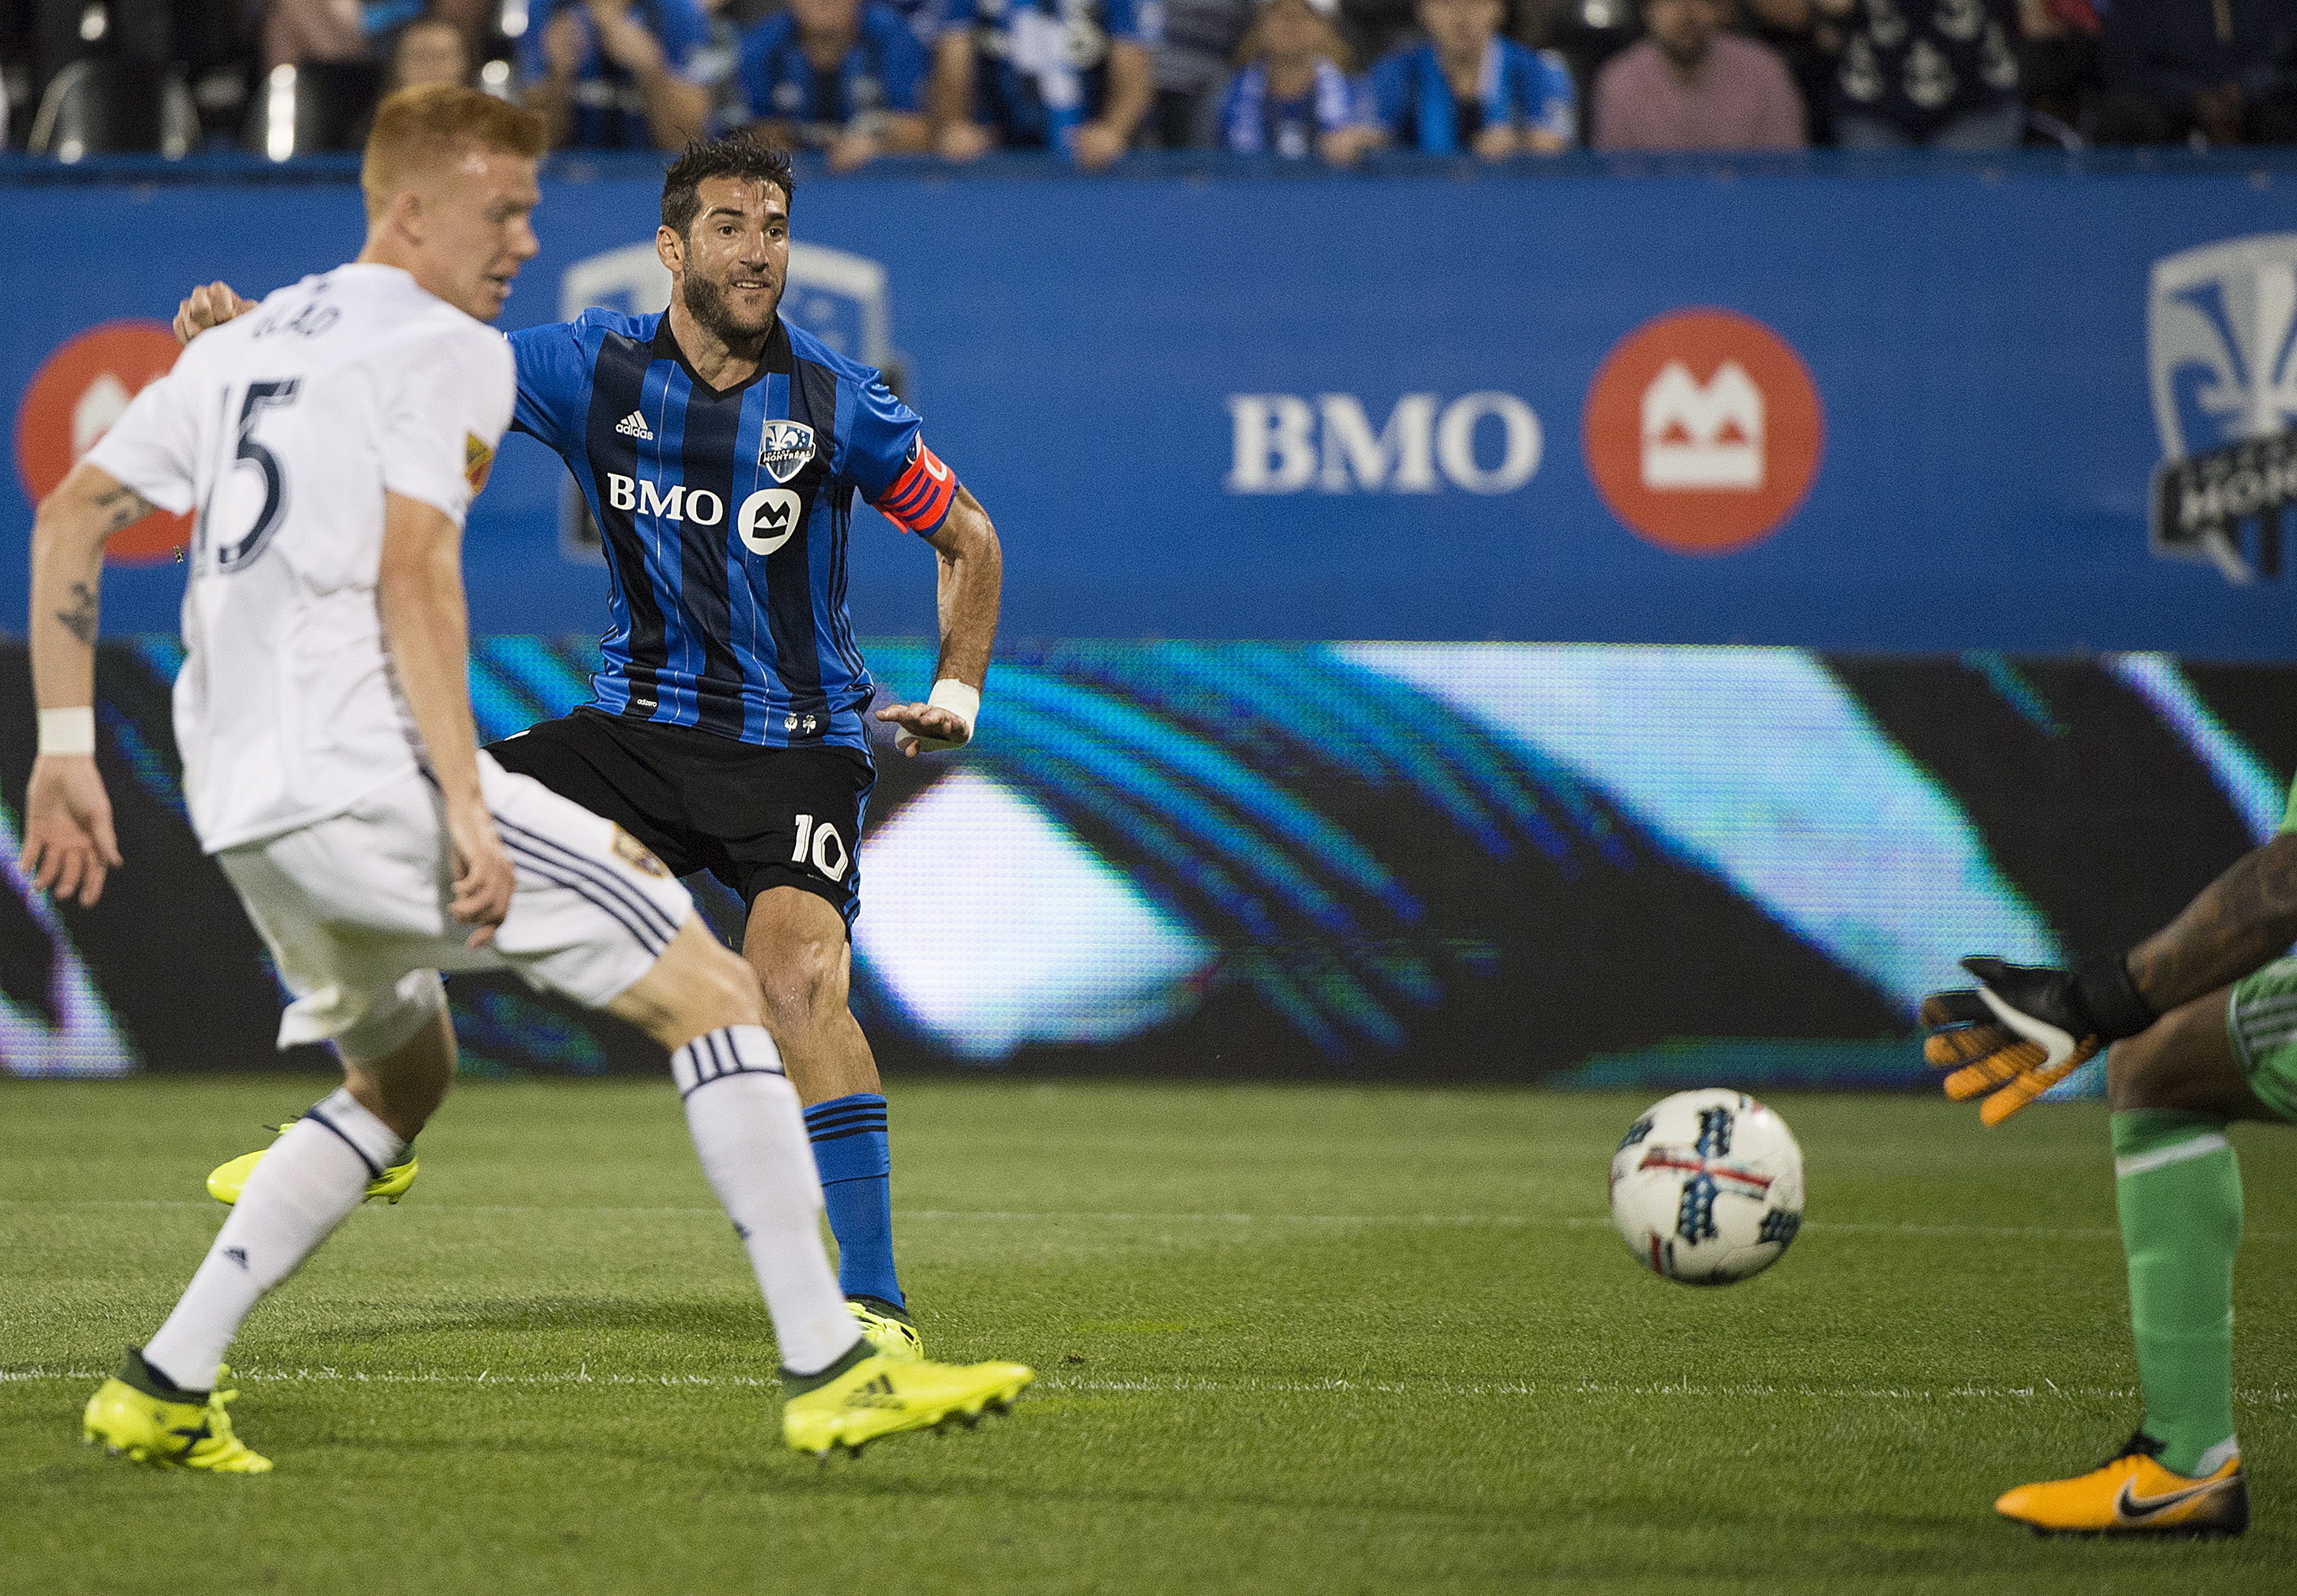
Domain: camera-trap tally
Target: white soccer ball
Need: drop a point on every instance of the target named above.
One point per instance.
(1707, 1187)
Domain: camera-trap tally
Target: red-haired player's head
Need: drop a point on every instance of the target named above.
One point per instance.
(449, 179)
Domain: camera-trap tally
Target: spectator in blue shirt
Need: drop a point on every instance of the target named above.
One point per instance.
(617, 74)
(1294, 97)
(839, 76)
(1466, 87)
(1076, 76)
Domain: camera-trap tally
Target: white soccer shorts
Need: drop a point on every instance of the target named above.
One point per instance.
(355, 909)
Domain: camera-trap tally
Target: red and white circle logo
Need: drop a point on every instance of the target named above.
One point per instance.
(73, 399)
(1702, 431)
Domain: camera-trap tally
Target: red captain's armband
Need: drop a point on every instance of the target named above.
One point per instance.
(919, 500)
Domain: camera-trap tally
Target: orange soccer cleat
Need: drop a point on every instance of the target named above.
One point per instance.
(2131, 1495)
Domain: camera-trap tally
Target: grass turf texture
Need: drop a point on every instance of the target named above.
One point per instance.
(1287, 1339)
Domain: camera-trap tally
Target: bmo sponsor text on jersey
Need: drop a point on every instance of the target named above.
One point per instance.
(1485, 442)
(765, 521)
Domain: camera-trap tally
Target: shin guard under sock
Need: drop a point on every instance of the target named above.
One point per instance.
(751, 1137)
(306, 1184)
(850, 1150)
(2178, 1188)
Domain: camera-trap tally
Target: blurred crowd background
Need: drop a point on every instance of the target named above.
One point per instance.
(1326, 80)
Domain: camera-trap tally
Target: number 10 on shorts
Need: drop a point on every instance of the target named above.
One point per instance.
(821, 843)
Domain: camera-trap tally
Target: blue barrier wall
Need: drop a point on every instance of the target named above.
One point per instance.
(1245, 405)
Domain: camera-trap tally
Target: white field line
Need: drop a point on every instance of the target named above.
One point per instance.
(2269, 1396)
(1575, 1221)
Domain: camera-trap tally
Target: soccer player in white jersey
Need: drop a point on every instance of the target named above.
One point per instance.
(331, 444)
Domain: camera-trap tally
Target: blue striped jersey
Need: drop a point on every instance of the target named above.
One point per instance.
(724, 518)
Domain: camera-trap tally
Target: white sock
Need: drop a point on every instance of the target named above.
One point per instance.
(751, 1135)
(306, 1184)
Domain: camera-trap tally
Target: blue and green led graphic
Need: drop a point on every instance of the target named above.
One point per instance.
(1584, 863)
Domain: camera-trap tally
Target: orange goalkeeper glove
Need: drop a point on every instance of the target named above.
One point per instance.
(2026, 1028)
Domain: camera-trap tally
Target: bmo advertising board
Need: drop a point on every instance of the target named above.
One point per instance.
(1421, 589)
(1924, 407)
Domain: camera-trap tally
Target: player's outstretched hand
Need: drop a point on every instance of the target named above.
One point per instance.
(483, 878)
(68, 845)
(2025, 1028)
(210, 305)
(925, 728)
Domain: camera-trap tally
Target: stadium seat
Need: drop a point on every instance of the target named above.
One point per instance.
(2046, 131)
(319, 105)
(109, 104)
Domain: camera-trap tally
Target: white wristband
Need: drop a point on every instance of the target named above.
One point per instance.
(959, 698)
(68, 731)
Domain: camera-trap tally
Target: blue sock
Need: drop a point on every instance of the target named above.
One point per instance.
(851, 1151)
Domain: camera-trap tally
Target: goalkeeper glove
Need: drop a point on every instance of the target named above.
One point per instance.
(2026, 1028)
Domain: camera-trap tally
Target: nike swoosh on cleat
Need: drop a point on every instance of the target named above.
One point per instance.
(2129, 1507)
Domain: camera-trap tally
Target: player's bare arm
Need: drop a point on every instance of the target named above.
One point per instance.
(68, 845)
(2241, 922)
(2024, 1029)
(972, 579)
(426, 630)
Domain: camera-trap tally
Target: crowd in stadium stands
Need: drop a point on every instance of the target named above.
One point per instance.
(1301, 80)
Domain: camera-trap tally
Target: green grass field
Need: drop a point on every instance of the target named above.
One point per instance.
(1287, 1339)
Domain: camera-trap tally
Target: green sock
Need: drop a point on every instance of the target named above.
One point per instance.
(2178, 1187)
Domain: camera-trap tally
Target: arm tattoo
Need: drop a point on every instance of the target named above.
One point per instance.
(123, 507)
(2241, 921)
(78, 617)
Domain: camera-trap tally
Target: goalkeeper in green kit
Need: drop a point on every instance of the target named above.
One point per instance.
(2202, 1021)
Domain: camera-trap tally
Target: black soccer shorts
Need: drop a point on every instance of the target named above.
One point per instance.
(754, 818)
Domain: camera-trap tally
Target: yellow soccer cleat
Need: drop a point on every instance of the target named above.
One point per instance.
(888, 1330)
(873, 1395)
(227, 1181)
(2131, 1495)
(130, 1420)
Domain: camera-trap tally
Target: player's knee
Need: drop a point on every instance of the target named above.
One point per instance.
(802, 979)
(697, 986)
(2137, 1072)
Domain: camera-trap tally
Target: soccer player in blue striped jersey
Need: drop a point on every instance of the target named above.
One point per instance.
(721, 450)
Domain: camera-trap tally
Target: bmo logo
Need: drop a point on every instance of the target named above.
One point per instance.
(701, 506)
(1486, 442)
(768, 518)
(1702, 432)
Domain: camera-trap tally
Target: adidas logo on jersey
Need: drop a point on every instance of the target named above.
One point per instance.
(633, 426)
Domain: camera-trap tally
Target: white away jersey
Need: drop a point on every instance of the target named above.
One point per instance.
(285, 428)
